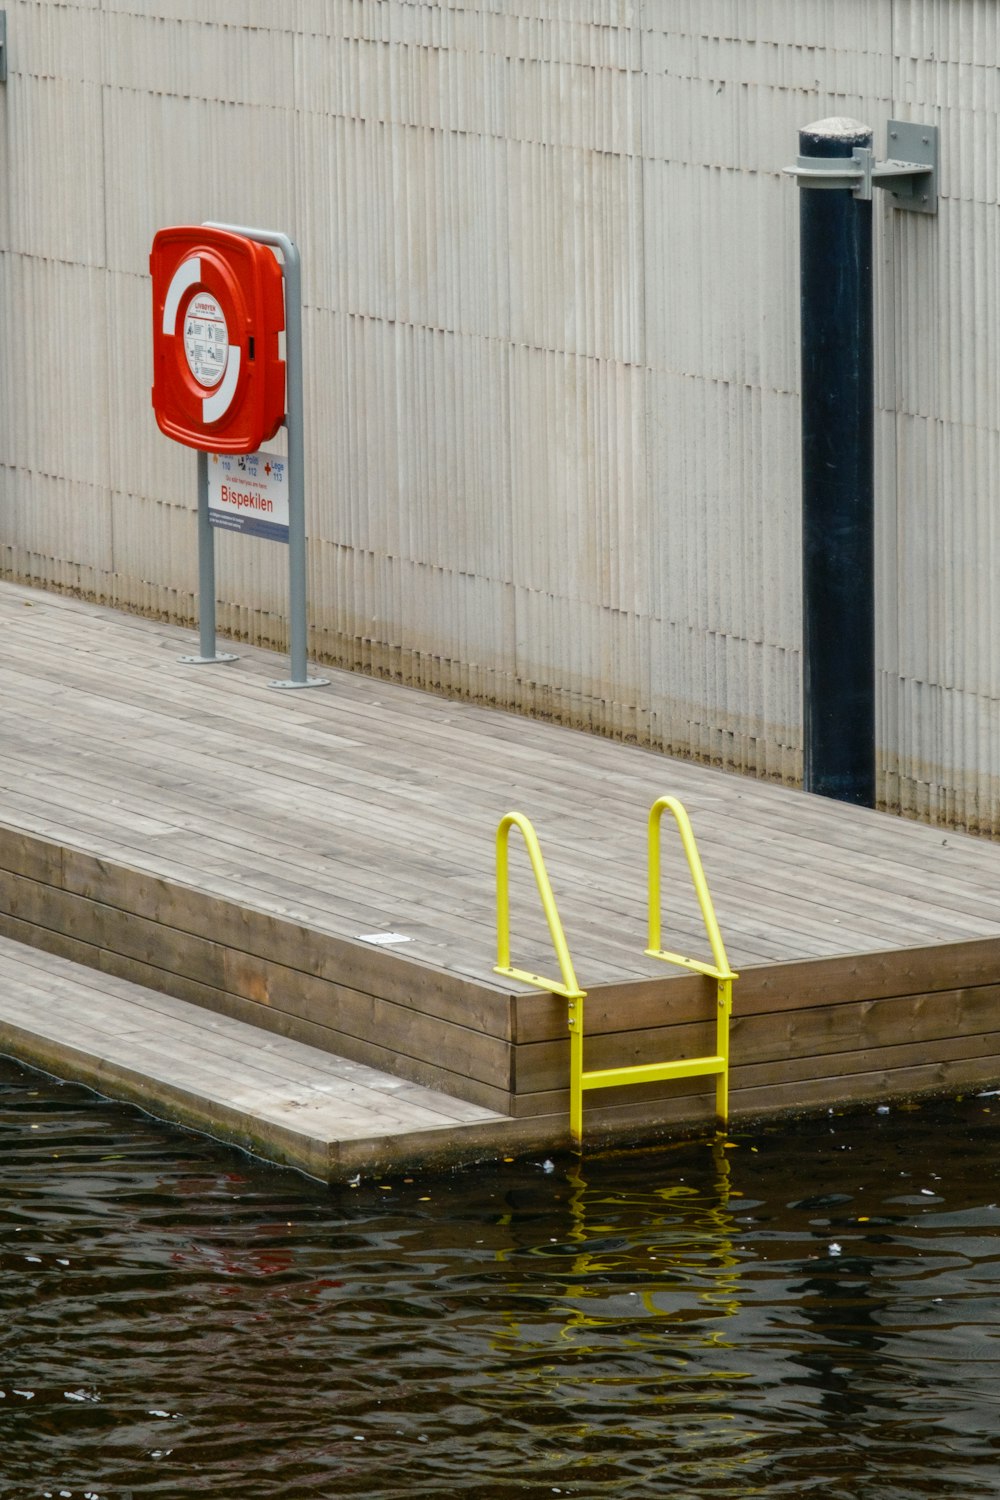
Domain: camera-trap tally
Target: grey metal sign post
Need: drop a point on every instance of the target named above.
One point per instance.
(298, 625)
(207, 654)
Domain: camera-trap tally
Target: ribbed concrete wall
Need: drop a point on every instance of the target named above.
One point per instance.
(550, 271)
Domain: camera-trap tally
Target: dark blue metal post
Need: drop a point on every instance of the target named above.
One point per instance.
(837, 476)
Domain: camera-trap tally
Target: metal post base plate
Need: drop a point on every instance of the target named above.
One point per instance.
(307, 683)
(208, 661)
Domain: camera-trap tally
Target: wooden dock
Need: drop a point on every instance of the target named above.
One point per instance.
(278, 1098)
(320, 864)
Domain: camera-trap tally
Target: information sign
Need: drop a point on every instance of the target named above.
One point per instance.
(249, 492)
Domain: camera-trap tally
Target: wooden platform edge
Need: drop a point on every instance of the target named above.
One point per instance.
(331, 1162)
(805, 1034)
(361, 1003)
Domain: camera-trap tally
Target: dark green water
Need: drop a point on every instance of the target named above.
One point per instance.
(811, 1311)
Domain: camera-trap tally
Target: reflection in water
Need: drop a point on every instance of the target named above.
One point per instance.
(624, 1332)
(810, 1309)
(681, 1269)
(843, 1305)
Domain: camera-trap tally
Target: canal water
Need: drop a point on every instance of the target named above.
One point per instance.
(810, 1309)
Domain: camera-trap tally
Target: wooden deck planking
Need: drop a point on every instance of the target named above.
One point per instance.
(804, 927)
(366, 821)
(366, 832)
(208, 832)
(785, 935)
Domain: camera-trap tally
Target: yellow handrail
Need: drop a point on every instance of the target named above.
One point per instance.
(720, 969)
(568, 988)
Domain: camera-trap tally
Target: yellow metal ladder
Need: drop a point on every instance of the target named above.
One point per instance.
(717, 1064)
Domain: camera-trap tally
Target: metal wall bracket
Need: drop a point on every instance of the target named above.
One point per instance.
(910, 172)
(3, 46)
(919, 145)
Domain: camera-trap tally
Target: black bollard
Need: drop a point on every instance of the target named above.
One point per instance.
(838, 482)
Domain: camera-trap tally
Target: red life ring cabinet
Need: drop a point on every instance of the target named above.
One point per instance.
(218, 308)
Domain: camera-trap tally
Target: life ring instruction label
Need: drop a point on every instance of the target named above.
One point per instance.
(206, 340)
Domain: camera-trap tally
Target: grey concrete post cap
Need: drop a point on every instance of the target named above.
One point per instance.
(837, 127)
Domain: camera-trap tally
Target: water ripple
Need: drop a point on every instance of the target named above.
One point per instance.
(178, 1322)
